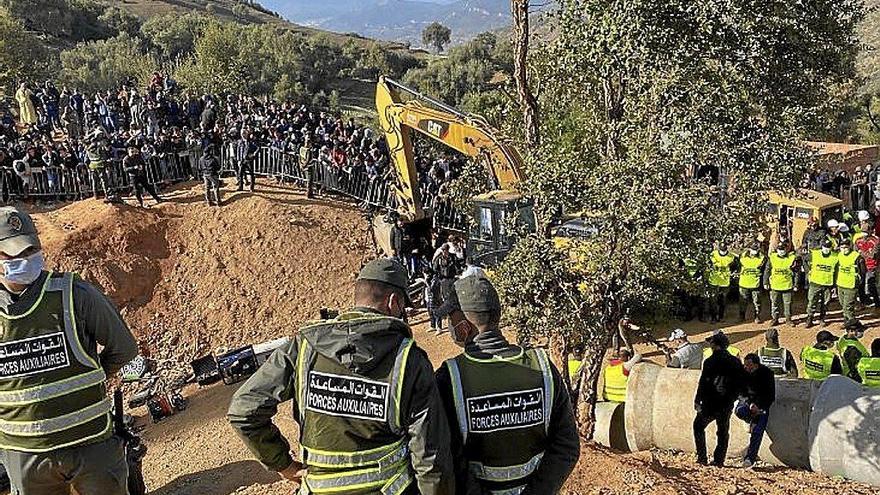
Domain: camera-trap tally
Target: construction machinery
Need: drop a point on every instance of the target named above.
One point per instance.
(403, 110)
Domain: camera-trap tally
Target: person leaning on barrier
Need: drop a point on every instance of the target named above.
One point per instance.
(371, 420)
(720, 383)
(819, 359)
(56, 431)
(869, 367)
(209, 166)
(135, 167)
(687, 355)
(777, 358)
(513, 430)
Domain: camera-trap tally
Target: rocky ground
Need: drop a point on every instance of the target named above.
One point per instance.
(190, 279)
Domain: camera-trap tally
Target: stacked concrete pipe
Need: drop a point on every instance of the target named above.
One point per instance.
(844, 431)
(660, 413)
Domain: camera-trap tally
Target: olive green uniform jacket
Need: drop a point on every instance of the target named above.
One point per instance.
(358, 348)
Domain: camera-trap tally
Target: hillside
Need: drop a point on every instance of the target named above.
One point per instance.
(223, 9)
(398, 20)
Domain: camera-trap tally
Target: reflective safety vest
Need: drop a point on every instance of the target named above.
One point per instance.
(352, 439)
(750, 273)
(817, 362)
(732, 350)
(719, 274)
(822, 268)
(842, 345)
(574, 367)
(869, 370)
(97, 152)
(615, 383)
(781, 276)
(503, 408)
(52, 392)
(847, 274)
(775, 359)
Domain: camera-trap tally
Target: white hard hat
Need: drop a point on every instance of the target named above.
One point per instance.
(833, 224)
(864, 215)
(678, 334)
(844, 228)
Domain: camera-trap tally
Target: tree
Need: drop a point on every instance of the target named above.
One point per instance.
(100, 65)
(436, 35)
(174, 35)
(520, 10)
(120, 21)
(240, 11)
(23, 56)
(635, 94)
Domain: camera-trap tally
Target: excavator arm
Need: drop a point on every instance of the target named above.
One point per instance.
(470, 135)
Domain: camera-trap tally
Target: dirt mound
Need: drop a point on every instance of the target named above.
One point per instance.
(189, 278)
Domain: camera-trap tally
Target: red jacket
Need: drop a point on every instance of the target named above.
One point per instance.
(867, 246)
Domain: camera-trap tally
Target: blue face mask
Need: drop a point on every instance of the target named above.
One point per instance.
(23, 271)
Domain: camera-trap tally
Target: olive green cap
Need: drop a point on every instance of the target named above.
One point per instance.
(386, 270)
(476, 293)
(17, 231)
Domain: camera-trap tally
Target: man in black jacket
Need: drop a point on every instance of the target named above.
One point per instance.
(758, 394)
(136, 168)
(209, 166)
(720, 384)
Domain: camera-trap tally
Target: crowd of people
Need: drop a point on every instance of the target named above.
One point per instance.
(60, 134)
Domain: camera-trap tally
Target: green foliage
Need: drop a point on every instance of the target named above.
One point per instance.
(23, 56)
(240, 11)
(69, 19)
(120, 21)
(103, 64)
(174, 35)
(634, 95)
(436, 35)
(466, 70)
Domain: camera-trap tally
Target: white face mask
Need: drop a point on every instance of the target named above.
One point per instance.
(826, 250)
(24, 271)
(722, 252)
(845, 250)
(753, 252)
(781, 252)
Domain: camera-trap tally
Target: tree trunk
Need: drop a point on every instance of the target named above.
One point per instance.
(520, 11)
(589, 393)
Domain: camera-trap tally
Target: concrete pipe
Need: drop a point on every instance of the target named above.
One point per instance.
(660, 414)
(610, 428)
(845, 431)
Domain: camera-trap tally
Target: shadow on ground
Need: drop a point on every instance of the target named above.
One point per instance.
(223, 480)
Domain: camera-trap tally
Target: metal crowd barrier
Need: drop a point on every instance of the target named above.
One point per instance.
(71, 184)
(352, 183)
(162, 170)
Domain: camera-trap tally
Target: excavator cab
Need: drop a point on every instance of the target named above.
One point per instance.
(498, 217)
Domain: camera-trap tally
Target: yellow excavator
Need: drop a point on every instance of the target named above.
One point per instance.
(403, 110)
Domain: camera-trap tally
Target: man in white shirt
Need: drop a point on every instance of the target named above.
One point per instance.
(687, 356)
